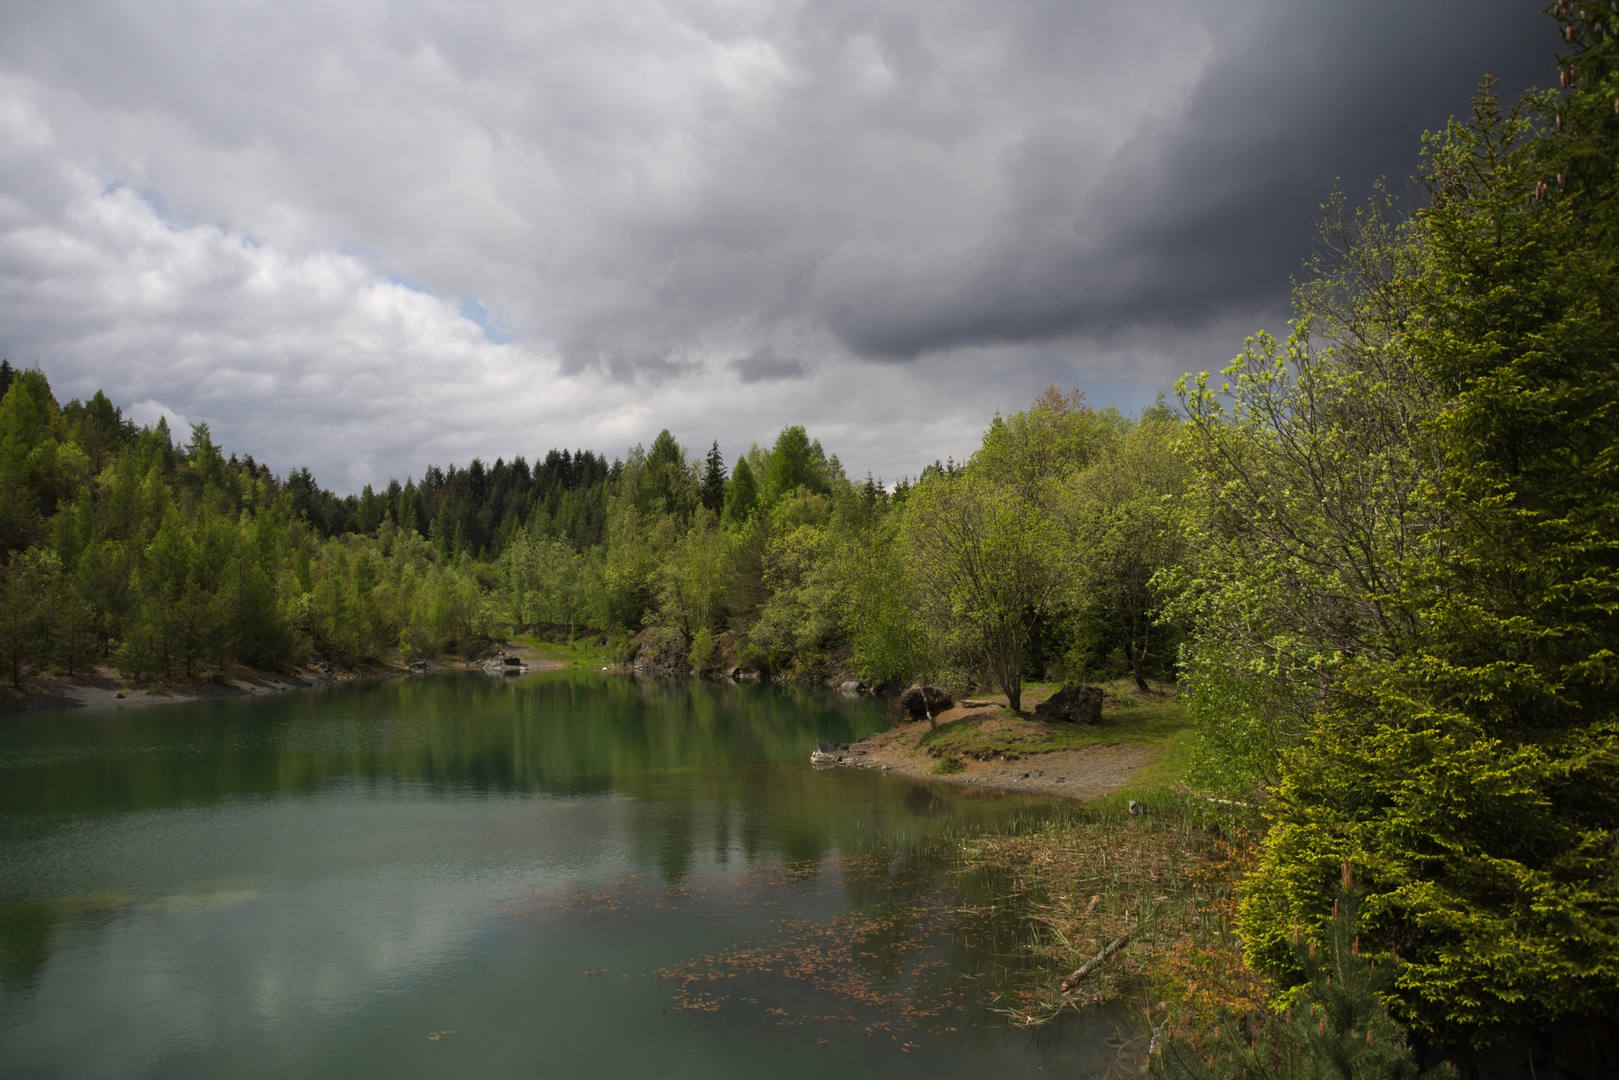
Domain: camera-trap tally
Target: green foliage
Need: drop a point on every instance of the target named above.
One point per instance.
(712, 493)
(889, 642)
(1128, 521)
(1154, 719)
(992, 563)
(668, 482)
(949, 765)
(1406, 596)
(701, 653)
(1337, 1029)
(794, 463)
(741, 495)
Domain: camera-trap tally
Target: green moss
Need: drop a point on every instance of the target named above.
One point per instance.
(949, 765)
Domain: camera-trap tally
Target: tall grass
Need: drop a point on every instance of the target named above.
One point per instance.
(1091, 874)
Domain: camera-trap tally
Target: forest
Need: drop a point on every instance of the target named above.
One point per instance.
(1379, 558)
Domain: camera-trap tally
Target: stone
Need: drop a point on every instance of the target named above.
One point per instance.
(512, 661)
(1072, 705)
(828, 753)
(921, 701)
(851, 686)
(1138, 808)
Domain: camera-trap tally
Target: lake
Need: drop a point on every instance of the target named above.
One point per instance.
(567, 874)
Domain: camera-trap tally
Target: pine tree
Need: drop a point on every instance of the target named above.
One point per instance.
(713, 490)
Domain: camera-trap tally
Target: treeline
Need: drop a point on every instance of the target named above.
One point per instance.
(163, 559)
(167, 559)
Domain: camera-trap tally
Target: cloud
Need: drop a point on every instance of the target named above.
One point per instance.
(148, 413)
(763, 365)
(364, 237)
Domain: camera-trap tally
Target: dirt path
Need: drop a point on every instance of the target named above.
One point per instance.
(1081, 773)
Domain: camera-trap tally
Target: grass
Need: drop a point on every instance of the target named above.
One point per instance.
(581, 652)
(1157, 720)
(1095, 873)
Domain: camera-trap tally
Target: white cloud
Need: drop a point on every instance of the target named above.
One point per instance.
(148, 413)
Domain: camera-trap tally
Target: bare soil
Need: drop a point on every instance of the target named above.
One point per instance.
(1080, 773)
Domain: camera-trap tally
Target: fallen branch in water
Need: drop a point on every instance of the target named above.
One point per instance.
(1093, 963)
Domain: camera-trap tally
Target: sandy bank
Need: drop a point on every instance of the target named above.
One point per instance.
(1079, 773)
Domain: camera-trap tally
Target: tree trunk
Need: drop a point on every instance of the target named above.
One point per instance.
(1136, 660)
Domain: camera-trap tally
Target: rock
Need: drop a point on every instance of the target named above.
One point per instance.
(1072, 705)
(921, 701)
(851, 686)
(1138, 808)
(512, 661)
(1037, 773)
(828, 753)
(734, 673)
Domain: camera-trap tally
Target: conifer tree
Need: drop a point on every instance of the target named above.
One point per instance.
(713, 490)
(1472, 768)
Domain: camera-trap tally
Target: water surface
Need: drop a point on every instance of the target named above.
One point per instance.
(564, 874)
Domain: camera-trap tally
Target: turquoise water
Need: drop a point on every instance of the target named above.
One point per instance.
(564, 874)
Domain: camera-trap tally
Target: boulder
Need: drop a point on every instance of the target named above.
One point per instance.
(851, 686)
(922, 701)
(827, 753)
(1072, 705)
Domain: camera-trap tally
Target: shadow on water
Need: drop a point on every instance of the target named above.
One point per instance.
(372, 835)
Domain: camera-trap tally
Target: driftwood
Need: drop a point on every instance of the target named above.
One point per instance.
(1093, 963)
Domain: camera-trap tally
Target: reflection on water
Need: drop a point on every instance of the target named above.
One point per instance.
(544, 873)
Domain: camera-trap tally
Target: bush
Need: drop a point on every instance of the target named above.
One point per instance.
(750, 657)
(1338, 1027)
(701, 653)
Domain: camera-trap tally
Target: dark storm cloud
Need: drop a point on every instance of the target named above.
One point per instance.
(1209, 209)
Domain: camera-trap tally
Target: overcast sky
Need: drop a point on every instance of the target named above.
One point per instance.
(369, 236)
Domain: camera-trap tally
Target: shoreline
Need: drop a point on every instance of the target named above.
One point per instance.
(102, 685)
(1078, 773)
(1084, 772)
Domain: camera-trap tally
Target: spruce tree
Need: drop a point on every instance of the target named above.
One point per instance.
(1473, 769)
(713, 490)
